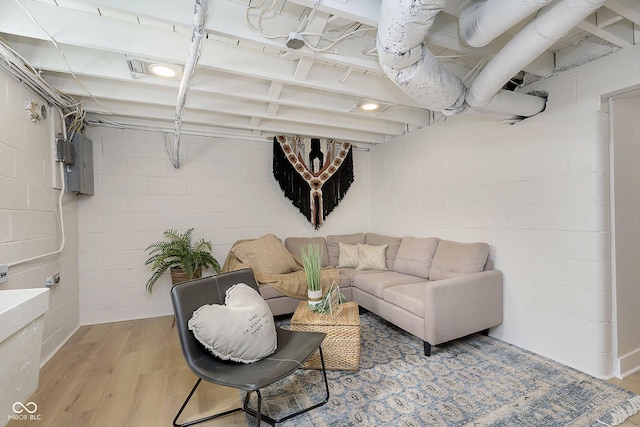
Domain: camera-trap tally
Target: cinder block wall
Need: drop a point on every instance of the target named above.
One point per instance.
(224, 189)
(538, 192)
(28, 212)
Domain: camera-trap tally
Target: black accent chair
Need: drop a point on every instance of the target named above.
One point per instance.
(294, 348)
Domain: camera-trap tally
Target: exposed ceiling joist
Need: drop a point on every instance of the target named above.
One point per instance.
(248, 85)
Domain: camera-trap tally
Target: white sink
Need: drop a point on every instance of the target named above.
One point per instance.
(19, 307)
(21, 324)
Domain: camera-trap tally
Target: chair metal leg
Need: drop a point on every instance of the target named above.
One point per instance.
(272, 421)
(200, 420)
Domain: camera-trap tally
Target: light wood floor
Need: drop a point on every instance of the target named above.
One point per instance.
(133, 374)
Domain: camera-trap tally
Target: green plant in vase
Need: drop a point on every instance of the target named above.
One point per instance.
(181, 255)
(312, 264)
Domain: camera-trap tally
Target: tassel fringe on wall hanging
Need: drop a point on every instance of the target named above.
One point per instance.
(314, 174)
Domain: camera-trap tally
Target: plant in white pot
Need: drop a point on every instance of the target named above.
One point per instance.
(312, 264)
(178, 253)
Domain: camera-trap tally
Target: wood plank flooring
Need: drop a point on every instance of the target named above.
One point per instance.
(133, 374)
(125, 374)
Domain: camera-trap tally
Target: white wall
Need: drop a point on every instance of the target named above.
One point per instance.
(538, 192)
(625, 135)
(28, 203)
(224, 189)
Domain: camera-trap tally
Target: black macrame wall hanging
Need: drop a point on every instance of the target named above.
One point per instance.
(314, 174)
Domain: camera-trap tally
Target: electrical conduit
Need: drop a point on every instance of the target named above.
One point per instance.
(198, 33)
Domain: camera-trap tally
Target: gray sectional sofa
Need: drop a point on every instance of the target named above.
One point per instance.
(437, 290)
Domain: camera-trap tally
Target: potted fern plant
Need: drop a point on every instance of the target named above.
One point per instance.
(179, 254)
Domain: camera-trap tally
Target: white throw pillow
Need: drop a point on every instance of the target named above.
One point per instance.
(242, 330)
(372, 257)
(348, 257)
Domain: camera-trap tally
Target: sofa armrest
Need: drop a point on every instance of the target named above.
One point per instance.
(463, 305)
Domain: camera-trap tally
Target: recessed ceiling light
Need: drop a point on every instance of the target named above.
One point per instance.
(141, 67)
(164, 70)
(369, 105)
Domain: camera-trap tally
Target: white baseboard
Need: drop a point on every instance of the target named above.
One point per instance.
(58, 347)
(628, 364)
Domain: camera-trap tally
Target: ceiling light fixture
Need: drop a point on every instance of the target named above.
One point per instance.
(164, 70)
(140, 67)
(368, 105)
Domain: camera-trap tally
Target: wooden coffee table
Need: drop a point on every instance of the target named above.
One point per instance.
(341, 347)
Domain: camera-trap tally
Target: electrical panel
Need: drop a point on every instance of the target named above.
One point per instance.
(79, 174)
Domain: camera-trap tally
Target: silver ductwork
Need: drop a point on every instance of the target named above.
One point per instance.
(404, 24)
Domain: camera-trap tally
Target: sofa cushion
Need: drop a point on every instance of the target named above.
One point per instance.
(334, 249)
(372, 257)
(266, 255)
(295, 245)
(454, 259)
(410, 297)
(376, 282)
(416, 255)
(380, 239)
(347, 275)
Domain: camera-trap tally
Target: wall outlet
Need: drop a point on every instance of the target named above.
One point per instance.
(52, 280)
(4, 273)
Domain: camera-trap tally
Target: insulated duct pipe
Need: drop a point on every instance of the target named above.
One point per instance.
(481, 21)
(550, 24)
(402, 29)
(199, 15)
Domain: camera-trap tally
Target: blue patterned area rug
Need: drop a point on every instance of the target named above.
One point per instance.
(474, 381)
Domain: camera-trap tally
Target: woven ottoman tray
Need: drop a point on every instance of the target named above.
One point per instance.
(341, 347)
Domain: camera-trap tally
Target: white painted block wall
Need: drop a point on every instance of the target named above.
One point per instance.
(224, 189)
(537, 192)
(28, 221)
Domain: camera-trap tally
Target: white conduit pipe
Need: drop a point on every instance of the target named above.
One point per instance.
(402, 28)
(551, 23)
(481, 21)
(199, 15)
(63, 189)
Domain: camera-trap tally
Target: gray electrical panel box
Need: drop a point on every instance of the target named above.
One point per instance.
(79, 175)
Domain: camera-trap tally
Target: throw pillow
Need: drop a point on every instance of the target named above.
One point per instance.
(348, 257)
(333, 244)
(266, 255)
(241, 330)
(372, 257)
(375, 239)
